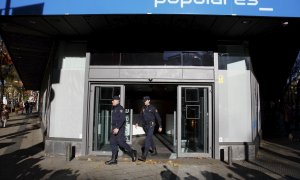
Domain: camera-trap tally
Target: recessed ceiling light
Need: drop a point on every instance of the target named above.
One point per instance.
(285, 23)
(246, 21)
(32, 22)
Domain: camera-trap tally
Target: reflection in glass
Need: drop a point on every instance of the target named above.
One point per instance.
(192, 112)
(165, 58)
(172, 57)
(191, 95)
(105, 59)
(198, 58)
(225, 61)
(194, 122)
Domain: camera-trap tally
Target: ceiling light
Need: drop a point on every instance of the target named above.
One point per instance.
(285, 23)
(246, 21)
(32, 22)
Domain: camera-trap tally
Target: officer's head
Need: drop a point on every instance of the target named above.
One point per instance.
(115, 100)
(146, 100)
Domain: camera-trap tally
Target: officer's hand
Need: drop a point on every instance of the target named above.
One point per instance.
(159, 129)
(136, 125)
(115, 131)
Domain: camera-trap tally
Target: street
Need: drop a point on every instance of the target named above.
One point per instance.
(22, 157)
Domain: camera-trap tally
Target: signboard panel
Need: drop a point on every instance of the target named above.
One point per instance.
(272, 8)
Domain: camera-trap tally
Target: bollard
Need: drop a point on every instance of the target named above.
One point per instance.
(68, 151)
(229, 155)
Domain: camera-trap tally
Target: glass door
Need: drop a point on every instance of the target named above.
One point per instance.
(100, 116)
(194, 121)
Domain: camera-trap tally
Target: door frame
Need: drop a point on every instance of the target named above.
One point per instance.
(91, 114)
(179, 116)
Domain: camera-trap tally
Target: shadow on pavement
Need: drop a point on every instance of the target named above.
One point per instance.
(247, 173)
(19, 133)
(65, 174)
(211, 175)
(190, 177)
(16, 124)
(291, 178)
(168, 174)
(276, 154)
(293, 145)
(2, 145)
(11, 119)
(21, 165)
(272, 170)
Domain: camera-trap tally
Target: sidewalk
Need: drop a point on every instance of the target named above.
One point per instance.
(22, 157)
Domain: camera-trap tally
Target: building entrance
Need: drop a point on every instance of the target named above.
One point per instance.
(185, 112)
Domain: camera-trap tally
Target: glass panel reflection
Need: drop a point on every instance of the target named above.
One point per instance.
(102, 117)
(105, 58)
(194, 122)
(164, 58)
(198, 58)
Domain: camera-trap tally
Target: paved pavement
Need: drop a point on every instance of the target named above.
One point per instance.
(22, 157)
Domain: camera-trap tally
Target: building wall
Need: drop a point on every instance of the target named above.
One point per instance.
(239, 107)
(45, 95)
(235, 104)
(44, 108)
(66, 116)
(255, 107)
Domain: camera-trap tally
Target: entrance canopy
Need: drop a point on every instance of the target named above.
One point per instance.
(32, 36)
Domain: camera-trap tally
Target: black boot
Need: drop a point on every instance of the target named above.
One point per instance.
(143, 149)
(144, 156)
(154, 152)
(133, 155)
(114, 160)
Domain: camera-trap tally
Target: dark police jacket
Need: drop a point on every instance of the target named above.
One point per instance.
(118, 117)
(149, 114)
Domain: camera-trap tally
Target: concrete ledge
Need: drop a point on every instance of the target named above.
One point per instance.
(55, 146)
(240, 150)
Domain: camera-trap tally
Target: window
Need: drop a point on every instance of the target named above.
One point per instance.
(166, 58)
(105, 58)
(198, 58)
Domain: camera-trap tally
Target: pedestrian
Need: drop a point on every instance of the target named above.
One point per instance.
(117, 137)
(4, 115)
(30, 107)
(26, 104)
(21, 105)
(148, 116)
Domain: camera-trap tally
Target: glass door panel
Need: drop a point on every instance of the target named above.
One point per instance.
(100, 110)
(194, 120)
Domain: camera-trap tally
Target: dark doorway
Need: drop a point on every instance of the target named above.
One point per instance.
(164, 98)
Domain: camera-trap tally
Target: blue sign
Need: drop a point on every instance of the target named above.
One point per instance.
(271, 8)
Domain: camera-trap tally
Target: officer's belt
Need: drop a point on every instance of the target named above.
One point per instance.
(149, 122)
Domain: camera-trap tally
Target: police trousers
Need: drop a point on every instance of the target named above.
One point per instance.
(149, 130)
(117, 140)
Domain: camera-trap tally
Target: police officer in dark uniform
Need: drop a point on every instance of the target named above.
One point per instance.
(148, 116)
(117, 138)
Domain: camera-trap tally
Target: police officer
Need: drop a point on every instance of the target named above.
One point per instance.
(147, 117)
(117, 137)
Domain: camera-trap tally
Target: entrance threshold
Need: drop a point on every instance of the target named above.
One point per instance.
(162, 151)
